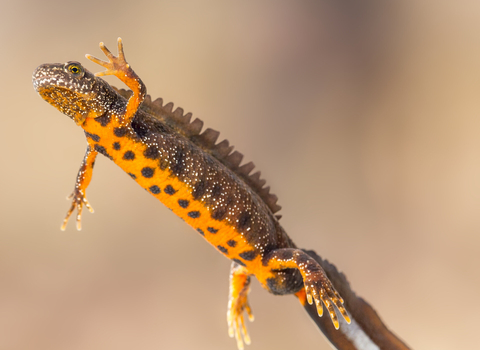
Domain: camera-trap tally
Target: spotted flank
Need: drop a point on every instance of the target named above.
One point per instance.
(203, 182)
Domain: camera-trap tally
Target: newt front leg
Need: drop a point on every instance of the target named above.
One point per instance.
(78, 195)
(119, 67)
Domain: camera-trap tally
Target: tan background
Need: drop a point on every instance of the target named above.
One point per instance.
(364, 118)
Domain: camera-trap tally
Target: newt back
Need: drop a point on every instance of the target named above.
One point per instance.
(222, 151)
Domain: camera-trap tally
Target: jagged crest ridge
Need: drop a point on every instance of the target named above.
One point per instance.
(207, 141)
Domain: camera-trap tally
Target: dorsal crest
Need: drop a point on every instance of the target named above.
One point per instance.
(207, 140)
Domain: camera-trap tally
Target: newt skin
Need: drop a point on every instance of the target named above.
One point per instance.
(199, 181)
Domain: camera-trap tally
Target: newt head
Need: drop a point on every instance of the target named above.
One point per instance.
(73, 90)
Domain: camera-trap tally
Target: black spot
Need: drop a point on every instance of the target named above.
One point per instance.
(249, 255)
(194, 214)
(212, 230)
(102, 150)
(148, 172)
(178, 162)
(219, 213)
(94, 137)
(183, 203)
(222, 249)
(129, 155)
(169, 190)
(104, 120)
(232, 243)
(239, 262)
(244, 220)
(199, 189)
(268, 247)
(154, 189)
(140, 128)
(151, 152)
(120, 131)
(216, 190)
(133, 176)
(272, 285)
(287, 281)
(116, 146)
(144, 127)
(200, 231)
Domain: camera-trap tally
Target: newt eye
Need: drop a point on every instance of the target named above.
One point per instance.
(75, 69)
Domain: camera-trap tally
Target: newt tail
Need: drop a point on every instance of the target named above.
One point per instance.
(200, 180)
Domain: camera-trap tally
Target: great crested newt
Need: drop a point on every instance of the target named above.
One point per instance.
(200, 180)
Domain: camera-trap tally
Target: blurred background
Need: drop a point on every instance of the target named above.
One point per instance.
(363, 116)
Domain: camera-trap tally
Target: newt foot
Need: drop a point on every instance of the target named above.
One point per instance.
(236, 323)
(117, 66)
(78, 201)
(320, 289)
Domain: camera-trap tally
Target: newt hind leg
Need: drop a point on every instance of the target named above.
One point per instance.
(238, 303)
(318, 287)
